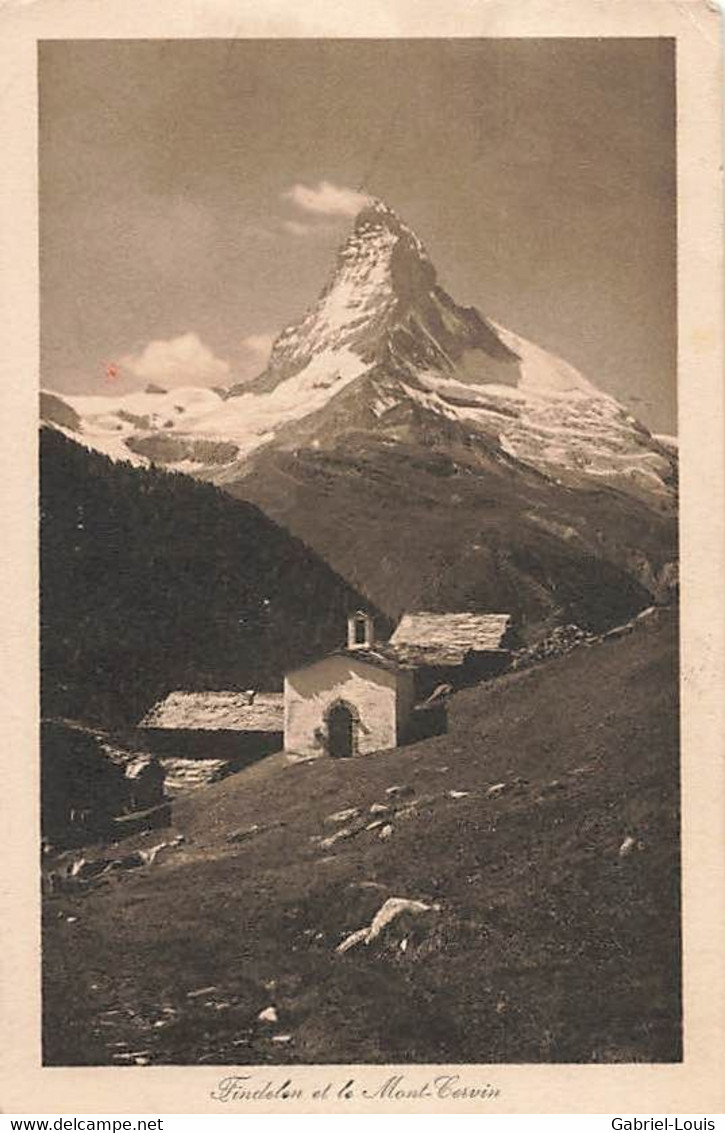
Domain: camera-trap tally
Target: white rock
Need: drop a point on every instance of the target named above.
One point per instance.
(389, 911)
(200, 991)
(343, 815)
(269, 1015)
(360, 936)
(629, 845)
(338, 836)
(149, 856)
(244, 833)
(396, 791)
(385, 833)
(393, 908)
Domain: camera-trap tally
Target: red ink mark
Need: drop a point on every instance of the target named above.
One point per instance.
(111, 371)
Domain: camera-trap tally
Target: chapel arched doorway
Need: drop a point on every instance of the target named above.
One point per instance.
(341, 731)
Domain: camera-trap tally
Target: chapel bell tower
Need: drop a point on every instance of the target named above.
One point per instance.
(360, 630)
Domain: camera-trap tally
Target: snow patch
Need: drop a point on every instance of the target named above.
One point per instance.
(251, 419)
(668, 441)
(542, 372)
(506, 445)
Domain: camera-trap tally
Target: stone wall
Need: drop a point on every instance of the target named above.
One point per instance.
(87, 782)
(310, 692)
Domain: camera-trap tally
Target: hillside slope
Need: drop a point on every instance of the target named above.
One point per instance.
(151, 582)
(553, 865)
(441, 522)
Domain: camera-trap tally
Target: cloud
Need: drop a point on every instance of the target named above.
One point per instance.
(299, 228)
(326, 199)
(260, 344)
(182, 361)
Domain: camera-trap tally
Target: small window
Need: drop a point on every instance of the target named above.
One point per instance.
(361, 631)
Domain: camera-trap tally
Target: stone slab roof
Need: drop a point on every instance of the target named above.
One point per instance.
(218, 711)
(445, 639)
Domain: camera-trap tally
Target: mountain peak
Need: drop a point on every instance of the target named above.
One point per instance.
(376, 218)
(383, 305)
(382, 273)
(376, 211)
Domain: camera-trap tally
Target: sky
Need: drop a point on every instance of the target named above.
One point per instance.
(193, 194)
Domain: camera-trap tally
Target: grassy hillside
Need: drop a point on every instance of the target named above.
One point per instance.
(152, 581)
(556, 936)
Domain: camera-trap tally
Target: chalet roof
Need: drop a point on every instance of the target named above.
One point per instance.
(425, 638)
(218, 711)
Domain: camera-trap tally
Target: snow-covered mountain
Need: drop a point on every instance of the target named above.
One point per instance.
(388, 393)
(383, 316)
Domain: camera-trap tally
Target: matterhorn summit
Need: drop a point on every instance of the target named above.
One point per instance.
(382, 269)
(383, 303)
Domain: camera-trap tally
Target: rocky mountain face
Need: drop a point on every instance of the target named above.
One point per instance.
(431, 456)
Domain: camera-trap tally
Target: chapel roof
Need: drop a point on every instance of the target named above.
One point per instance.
(379, 656)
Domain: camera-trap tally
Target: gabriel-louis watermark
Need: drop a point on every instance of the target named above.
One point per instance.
(655, 1124)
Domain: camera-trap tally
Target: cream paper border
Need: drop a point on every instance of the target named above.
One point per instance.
(693, 1086)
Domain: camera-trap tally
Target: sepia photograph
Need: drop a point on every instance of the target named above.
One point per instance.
(359, 552)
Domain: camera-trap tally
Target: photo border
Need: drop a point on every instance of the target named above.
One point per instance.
(692, 1086)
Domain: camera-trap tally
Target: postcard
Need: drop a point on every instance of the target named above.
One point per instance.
(363, 449)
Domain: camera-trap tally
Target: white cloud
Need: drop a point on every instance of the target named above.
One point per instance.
(301, 229)
(327, 199)
(297, 228)
(260, 344)
(182, 361)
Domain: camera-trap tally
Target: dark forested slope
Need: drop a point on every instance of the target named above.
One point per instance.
(152, 581)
